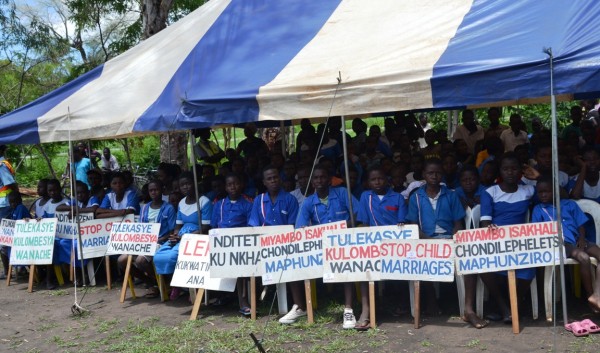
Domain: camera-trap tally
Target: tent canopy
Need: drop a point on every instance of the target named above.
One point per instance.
(236, 61)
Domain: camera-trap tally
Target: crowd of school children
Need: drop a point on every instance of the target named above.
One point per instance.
(409, 173)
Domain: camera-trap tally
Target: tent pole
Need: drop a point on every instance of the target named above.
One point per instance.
(556, 186)
(193, 163)
(283, 137)
(347, 170)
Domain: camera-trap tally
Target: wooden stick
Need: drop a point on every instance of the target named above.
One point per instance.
(417, 310)
(197, 302)
(31, 276)
(107, 266)
(58, 272)
(72, 267)
(252, 294)
(372, 304)
(514, 308)
(131, 286)
(309, 307)
(126, 279)
(9, 275)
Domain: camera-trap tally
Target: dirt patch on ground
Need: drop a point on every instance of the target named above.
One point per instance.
(43, 322)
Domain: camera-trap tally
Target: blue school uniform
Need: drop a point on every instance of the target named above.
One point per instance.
(20, 212)
(504, 209)
(314, 212)
(187, 217)
(166, 217)
(231, 214)
(460, 192)
(130, 201)
(389, 210)
(438, 223)
(281, 212)
(572, 218)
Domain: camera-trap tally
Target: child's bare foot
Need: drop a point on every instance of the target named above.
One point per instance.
(594, 303)
(474, 320)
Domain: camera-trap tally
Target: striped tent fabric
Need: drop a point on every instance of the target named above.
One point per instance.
(237, 61)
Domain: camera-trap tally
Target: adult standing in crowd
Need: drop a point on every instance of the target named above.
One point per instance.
(495, 128)
(251, 145)
(469, 131)
(207, 152)
(7, 183)
(109, 161)
(82, 166)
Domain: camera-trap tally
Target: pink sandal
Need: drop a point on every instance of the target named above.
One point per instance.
(590, 326)
(577, 328)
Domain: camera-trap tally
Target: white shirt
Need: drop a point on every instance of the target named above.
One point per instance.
(110, 164)
(511, 141)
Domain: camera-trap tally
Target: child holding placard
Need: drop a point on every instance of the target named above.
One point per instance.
(504, 204)
(439, 213)
(83, 204)
(379, 206)
(234, 211)
(328, 205)
(17, 211)
(186, 222)
(121, 201)
(576, 245)
(276, 207)
(56, 199)
(156, 211)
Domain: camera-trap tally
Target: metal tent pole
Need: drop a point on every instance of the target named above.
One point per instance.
(347, 171)
(556, 186)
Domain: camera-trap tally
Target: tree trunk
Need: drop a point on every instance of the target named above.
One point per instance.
(174, 150)
(154, 19)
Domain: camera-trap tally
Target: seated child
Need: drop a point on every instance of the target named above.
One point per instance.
(186, 222)
(49, 211)
(155, 211)
(17, 211)
(469, 191)
(576, 246)
(231, 212)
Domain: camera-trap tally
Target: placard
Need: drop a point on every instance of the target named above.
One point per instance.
(354, 255)
(95, 235)
(236, 251)
(192, 269)
(506, 248)
(66, 228)
(418, 260)
(7, 231)
(295, 255)
(133, 239)
(33, 242)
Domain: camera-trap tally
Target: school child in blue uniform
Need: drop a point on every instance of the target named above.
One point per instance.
(379, 206)
(37, 208)
(186, 223)
(576, 245)
(328, 205)
(276, 207)
(17, 211)
(156, 211)
(231, 212)
(84, 203)
(507, 203)
(439, 213)
(470, 190)
(49, 211)
(120, 201)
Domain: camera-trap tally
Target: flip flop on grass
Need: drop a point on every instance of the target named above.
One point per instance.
(363, 325)
(577, 329)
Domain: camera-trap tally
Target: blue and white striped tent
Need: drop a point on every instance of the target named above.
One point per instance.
(235, 61)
